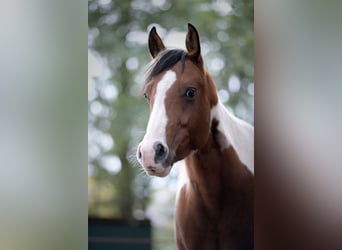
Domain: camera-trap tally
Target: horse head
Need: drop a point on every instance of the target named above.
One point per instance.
(180, 93)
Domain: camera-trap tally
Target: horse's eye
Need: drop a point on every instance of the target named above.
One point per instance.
(190, 92)
(146, 96)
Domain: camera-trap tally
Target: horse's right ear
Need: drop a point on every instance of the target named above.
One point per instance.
(155, 44)
(192, 42)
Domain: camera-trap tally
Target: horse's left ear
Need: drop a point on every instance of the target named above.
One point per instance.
(192, 43)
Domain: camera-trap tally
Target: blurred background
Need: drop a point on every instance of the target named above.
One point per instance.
(118, 114)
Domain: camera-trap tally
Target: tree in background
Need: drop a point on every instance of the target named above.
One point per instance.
(118, 53)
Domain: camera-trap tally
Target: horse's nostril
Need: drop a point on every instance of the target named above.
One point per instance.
(159, 148)
(139, 153)
(161, 152)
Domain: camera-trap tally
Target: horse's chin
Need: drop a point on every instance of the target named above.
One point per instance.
(159, 171)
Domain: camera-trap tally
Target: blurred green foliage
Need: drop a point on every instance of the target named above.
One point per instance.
(117, 39)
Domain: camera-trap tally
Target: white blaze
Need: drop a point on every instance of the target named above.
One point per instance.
(156, 127)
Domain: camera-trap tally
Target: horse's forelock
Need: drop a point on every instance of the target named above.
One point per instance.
(164, 61)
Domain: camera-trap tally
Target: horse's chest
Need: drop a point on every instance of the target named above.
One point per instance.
(194, 229)
(204, 203)
(204, 223)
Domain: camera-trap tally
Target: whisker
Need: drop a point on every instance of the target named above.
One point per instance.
(142, 173)
(131, 154)
(132, 159)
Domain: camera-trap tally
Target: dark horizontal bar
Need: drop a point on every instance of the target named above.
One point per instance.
(119, 240)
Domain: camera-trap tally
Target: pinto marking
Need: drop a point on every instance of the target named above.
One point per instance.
(238, 134)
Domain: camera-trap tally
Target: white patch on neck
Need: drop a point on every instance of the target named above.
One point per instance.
(239, 134)
(156, 127)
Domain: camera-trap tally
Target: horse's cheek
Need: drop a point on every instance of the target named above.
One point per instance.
(184, 120)
(202, 128)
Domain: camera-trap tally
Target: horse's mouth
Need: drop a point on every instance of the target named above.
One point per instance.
(159, 171)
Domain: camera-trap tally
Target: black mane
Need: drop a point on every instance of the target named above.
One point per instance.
(164, 61)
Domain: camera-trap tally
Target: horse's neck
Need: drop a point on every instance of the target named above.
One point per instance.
(216, 174)
(228, 155)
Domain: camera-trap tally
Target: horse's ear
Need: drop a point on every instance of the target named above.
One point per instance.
(192, 43)
(155, 44)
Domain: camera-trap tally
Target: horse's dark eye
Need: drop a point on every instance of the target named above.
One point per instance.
(146, 96)
(190, 92)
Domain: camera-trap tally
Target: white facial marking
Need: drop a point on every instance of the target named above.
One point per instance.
(156, 127)
(158, 120)
(239, 134)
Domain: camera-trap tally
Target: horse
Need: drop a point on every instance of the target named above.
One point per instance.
(214, 207)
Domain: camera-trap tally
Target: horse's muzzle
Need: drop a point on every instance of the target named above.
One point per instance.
(154, 158)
